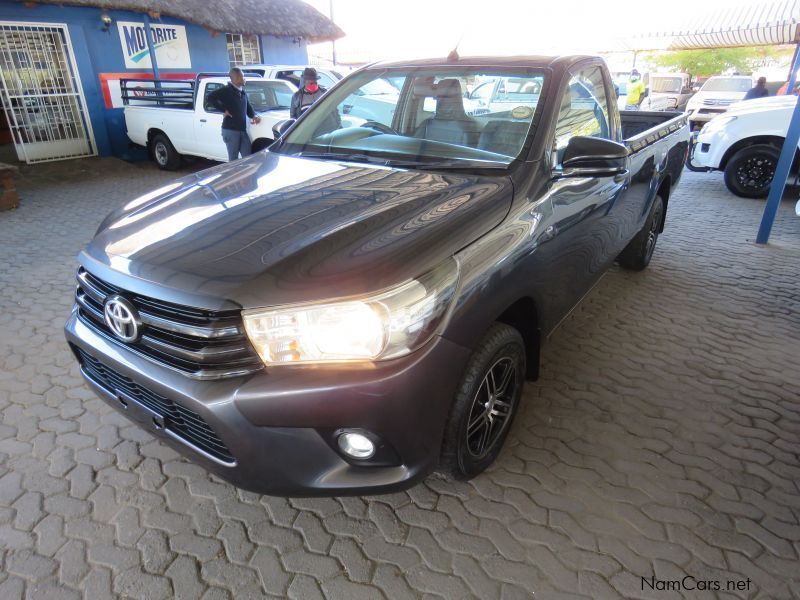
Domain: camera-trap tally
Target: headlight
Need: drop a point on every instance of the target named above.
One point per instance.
(717, 123)
(387, 324)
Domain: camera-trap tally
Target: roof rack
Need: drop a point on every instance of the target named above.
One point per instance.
(172, 93)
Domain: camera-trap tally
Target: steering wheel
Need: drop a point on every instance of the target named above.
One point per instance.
(380, 127)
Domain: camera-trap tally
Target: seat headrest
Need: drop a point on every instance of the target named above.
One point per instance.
(448, 88)
(445, 88)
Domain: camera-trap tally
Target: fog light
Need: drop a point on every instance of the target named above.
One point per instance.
(356, 445)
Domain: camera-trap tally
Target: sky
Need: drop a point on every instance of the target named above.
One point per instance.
(388, 29)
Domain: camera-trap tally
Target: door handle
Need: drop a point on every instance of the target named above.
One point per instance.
(202, 120)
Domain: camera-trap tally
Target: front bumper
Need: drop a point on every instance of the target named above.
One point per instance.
(279, 426)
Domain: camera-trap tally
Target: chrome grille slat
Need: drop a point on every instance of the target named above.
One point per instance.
(206, 345)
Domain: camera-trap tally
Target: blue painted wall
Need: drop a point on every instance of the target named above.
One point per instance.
(97, 51)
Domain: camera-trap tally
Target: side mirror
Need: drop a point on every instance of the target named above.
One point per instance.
(696, 88)
(281, 126)
(593, 157)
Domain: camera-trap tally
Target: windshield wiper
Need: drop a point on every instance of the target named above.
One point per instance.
(405, 164)
(446, 164)
(269, 108)
(342, 156)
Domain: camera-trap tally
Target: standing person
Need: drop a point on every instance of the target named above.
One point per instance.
(758, 91)
(233, 101)
(636, 91)
(308, 94)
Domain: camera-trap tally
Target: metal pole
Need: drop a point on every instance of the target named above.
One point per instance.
(793, 72)
(784, 165)
(153, 62)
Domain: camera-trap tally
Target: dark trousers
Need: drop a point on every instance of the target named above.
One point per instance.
(237, 143)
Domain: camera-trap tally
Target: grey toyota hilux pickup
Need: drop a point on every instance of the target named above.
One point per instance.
(361, 304)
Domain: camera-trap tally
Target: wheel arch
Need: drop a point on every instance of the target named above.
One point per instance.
(523, 316)
(261, 143)
(663, 192)
(771, 140)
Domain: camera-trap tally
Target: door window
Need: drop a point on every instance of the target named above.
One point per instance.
(207, 106)
(584, 109)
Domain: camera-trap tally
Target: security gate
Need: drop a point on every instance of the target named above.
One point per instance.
(41, 93)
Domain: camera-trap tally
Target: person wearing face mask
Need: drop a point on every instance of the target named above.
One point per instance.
(232, 101)
(636, 91)
(306, 95)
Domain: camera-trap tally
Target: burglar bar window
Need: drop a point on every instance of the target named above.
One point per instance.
(243, 49)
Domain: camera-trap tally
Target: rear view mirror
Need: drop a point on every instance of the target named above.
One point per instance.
(593, 157)
(280, 127)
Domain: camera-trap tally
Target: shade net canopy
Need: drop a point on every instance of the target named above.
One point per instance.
(734, 24)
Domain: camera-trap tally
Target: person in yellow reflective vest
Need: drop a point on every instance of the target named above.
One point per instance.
(636, 91)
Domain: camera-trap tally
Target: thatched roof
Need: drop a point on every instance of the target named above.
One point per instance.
(282, 18)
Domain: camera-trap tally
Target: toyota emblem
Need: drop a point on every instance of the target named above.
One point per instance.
(122, 318)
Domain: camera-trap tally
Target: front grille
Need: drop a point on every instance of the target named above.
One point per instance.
(185, 424)
(200, 343)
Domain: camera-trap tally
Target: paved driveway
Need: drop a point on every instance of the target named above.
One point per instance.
(661, 441)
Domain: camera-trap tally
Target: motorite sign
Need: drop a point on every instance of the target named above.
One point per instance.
(169, 41)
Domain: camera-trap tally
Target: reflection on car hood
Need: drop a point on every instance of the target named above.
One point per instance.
(273, 229)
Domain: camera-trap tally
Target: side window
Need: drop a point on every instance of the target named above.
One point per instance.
(325, 81)
(283, 96)
(584, 109)
(206, 104)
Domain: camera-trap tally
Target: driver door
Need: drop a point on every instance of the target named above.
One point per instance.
(586, 210)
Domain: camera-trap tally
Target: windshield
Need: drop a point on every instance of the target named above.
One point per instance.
(268, 95)
(668, 85)
(727, 84)
(425, 115)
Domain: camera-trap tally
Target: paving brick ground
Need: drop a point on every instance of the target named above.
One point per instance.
(661, 441)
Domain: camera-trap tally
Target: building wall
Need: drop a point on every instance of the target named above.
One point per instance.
(98, 54)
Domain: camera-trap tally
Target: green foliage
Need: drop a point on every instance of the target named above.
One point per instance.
(714, 61)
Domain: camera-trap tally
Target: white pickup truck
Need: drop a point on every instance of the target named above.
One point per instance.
(745, 143)
(173, 118)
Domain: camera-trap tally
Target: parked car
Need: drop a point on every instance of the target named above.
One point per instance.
(715, 97)
(668, 91)
(745, 143)
(178, 120)
(294, 73)
(495, 94)
(361, 304)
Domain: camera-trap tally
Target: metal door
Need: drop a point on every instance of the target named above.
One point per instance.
(41, 93)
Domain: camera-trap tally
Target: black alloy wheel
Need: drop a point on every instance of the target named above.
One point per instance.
(491, 407)
(485, 403)
(749, 172)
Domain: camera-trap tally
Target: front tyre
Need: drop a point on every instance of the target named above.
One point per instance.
(749, 172)
(485, 404)
(637, 254)
(164, 153)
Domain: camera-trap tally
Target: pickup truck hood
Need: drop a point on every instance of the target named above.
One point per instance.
(273, 229)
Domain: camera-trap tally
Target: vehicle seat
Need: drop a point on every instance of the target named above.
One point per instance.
(503, 137)
(450, 124)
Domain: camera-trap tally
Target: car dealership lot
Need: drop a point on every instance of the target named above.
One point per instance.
(662, 440)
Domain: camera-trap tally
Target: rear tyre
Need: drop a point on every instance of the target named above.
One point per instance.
(485, 404)
(637, 254)
(749, 172)
(164, 153)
